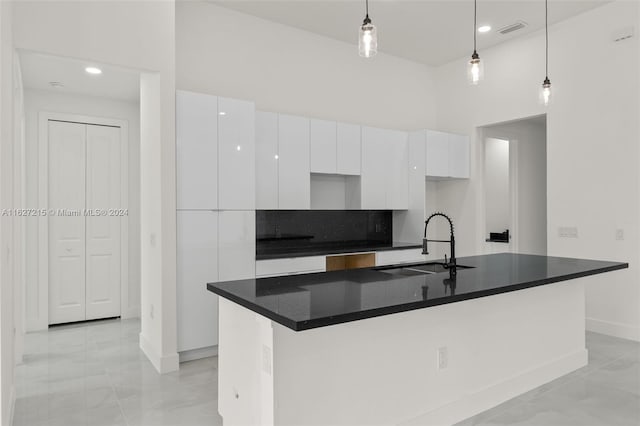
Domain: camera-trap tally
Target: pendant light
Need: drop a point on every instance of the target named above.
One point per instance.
(368, 37)
(545, 90)
(475, 71)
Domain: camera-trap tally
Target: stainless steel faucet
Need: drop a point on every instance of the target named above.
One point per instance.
(448, 264)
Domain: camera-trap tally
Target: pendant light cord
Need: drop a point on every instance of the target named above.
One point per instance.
(475, 22)
(367, 7)
(546, 38)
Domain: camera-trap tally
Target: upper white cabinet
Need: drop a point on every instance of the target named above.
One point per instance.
(348, 149)
(437, 153)
(266, 160)
(236, 154)
(215, 151)
(322, 139)
(397, 172)
(196, 151)
(447, 155)
(373, 185)
(294, 175)
(334, 147)
(384, 179)
(459, 156)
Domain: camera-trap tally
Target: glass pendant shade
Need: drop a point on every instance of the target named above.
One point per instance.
(368, 39)
(545, 92)
(475, 69)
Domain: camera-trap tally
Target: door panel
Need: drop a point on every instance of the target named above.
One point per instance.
(197, 265)
(66, 228)
(294, 179)
(266, 160)
(103, 230)
(236, 245)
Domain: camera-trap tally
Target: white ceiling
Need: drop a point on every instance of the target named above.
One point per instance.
(432, 32)
(39, 70)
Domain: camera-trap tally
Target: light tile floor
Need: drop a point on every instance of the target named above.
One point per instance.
(95, 374)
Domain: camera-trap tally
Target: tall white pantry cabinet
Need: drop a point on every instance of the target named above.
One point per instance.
(215, 151)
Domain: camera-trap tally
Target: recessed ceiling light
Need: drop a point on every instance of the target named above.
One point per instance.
(222, 113)
(484, 29)
(93, 70)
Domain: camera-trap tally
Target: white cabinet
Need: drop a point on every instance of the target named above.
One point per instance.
(392, 257)
(335, 147)
(290, 266)
(266, 160)
(196, 151)
(322, 140)
(197, 265)
(458, 156)
(447, 155)
(348, 149)
(384, 179)
(437, 154)
(294, 175)
(373, 185)
(236, 154)
(397, 173)
(236, 245)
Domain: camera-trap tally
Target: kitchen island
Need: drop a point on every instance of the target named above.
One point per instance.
(398, 345)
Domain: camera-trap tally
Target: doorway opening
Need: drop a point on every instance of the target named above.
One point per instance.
(514, 167)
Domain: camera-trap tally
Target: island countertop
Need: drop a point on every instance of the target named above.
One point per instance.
(302, 302)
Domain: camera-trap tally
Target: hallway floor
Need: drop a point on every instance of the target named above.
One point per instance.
(94, 374)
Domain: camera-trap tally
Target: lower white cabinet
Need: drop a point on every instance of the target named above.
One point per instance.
(392, 257)
(197, 265)
(236, 245)
(211, 246)
(290, 266)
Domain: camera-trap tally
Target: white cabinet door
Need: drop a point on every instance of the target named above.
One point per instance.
(196, 151)
(66, 233)
(294, 176)
(236, 155)
(348, 149)
(197, 265)
(397, 170)
(236, 245)
(458, 156)
(290, 266)
(437, 154)
(374, 169)
(266, 160)
(103, 190)
(322, 143)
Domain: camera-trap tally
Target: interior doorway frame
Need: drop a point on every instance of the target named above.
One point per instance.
(43, 203)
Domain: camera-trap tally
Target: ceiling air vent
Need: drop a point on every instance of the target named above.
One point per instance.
(518, 25)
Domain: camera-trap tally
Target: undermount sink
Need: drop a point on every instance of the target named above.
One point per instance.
(419, 269)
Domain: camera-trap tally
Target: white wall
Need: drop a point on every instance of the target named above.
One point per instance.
(138, 35)
(496, 183)
(283, 69)
(592, 145)
(37, 101)
(7, 255)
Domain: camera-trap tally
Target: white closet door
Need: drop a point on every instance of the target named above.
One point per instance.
(103, 231)
(66, 232)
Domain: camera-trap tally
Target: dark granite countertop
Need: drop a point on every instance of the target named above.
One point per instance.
(332, 248)
(302, 302)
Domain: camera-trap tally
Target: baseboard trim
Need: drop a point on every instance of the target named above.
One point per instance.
(496, 394)
(199, 353)
(162, 363)
(615, 329)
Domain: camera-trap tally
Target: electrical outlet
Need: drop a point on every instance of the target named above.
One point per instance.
(619, 234)
(443, 358)
(151, 312)
(568, 232)
(152, 239)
